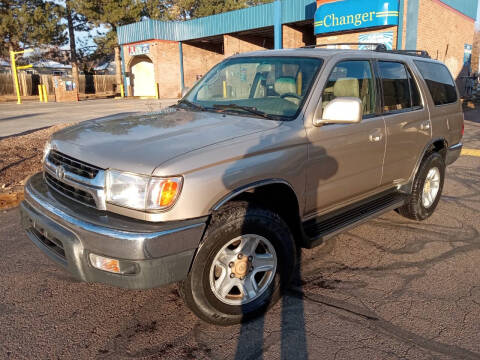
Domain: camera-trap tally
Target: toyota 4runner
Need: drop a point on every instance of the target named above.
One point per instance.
(271, 151)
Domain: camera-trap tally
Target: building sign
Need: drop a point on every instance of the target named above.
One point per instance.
(140, 49)
(376, 38)
(342, 15)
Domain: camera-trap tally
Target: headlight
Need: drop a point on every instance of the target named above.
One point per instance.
(142, 192)
(46, 149)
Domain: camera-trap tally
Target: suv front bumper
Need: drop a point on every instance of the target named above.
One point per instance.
(68, 232)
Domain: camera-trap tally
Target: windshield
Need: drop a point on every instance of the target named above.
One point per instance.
(272, 87)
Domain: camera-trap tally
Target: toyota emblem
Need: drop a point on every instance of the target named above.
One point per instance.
(60, 172)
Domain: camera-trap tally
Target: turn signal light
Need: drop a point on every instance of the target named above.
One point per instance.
(105, 264)
(168, 193)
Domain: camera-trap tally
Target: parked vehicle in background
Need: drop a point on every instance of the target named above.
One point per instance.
(269, 152)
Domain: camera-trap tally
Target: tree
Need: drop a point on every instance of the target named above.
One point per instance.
(29, 23)
(75, 22)
(111, 14)
(189, 9)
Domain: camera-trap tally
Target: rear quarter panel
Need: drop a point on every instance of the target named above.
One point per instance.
(446, 120)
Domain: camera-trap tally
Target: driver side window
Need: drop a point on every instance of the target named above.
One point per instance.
(352, 79)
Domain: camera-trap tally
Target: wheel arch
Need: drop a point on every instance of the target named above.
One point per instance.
(275, 194)
(439, 145)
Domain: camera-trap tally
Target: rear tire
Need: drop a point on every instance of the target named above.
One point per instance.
(248, 247)
(427, 189)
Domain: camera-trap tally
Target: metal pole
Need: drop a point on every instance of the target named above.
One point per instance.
(40, 93)
(182, 78)
(401, 12)
(45, 94)
(15, 76)
(277, 24)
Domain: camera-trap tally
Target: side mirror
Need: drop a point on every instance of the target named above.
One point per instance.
(185, 90)
(342, 110)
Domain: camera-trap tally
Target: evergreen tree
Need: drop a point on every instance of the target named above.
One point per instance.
(189, 9)
(29, 24)
(75, 22)
(111, 14)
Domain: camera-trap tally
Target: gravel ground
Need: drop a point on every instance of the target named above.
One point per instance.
(22, 156)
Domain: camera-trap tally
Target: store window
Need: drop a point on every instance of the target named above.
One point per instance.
(439, 82)
(352, 79)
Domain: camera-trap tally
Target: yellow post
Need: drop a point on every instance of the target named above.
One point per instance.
(40, 93)
(122, 91)
(224, 89)
(157, 91)
(15, 76)
(299, 83)
(45, 94)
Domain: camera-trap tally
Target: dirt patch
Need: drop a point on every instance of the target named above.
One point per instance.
(21, 157)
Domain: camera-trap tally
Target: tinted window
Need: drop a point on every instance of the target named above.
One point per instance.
(439, 82)
(396, 86)
(351, 79)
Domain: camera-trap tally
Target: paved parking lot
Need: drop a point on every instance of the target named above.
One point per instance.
(389, 289)
(30, 115)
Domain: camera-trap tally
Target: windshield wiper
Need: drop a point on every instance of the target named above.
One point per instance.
(191, 104)
(250, 109)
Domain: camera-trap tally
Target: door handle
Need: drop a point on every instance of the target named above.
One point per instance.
(375, 137)
(425, 125)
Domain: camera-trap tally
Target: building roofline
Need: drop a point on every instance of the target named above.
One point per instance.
(254, 17)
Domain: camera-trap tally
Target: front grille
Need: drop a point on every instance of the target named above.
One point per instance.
(70, 191)
(71, 165)
(49, 241)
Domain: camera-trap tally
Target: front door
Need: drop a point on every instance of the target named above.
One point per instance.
(345, 160)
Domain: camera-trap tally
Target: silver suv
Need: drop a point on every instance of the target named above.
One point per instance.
(270, 152)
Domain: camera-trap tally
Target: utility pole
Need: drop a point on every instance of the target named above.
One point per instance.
(15, 68)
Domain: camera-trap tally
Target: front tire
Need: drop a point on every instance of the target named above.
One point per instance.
(427, 189)
(242, 266)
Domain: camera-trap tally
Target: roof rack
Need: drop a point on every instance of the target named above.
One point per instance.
(419, 53)
(378, 47)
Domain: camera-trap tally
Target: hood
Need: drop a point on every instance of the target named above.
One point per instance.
(141, 143)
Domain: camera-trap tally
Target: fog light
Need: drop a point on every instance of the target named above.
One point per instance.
(112, 265)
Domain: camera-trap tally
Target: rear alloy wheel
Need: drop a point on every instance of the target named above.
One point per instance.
(426, 190)
(242, 266)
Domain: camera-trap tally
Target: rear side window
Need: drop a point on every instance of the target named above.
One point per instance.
(400, 92)
(439, 82)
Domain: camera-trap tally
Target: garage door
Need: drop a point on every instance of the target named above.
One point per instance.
(143, 79)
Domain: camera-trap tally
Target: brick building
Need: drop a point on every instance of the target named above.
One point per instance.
(174, 55)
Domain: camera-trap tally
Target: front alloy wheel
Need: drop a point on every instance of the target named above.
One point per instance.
(243, 265)
(243, 269)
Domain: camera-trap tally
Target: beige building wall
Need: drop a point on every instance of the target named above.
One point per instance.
(443, 32)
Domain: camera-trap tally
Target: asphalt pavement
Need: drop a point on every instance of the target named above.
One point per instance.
(389, 289)
(31, 115)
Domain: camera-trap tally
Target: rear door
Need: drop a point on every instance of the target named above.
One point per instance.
(406, 118)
